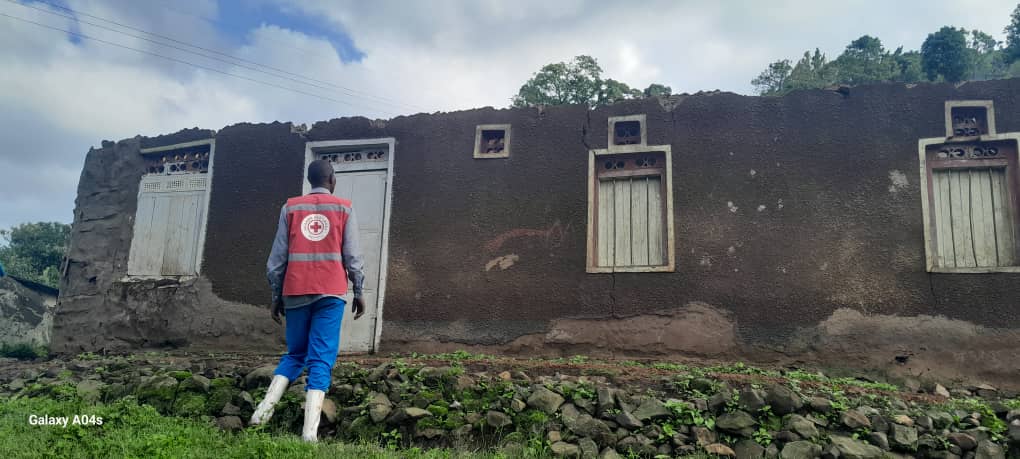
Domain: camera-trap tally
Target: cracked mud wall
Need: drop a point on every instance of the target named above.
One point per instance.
(99, 309)
(798, 235)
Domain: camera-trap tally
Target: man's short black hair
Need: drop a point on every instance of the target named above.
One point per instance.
(319, 172)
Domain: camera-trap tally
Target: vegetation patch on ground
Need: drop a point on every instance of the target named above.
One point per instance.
(467, 405)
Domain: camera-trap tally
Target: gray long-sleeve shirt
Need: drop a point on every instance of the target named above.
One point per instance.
(276, 266)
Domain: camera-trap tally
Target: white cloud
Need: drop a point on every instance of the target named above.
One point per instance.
(57, 98)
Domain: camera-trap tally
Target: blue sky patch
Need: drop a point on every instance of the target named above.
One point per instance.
(60, 7)
(238, 17)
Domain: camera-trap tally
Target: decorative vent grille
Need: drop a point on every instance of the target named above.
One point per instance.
(360, 156)
(178, 163)
(172, 184)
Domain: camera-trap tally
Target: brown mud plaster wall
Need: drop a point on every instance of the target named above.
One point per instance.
(775, 238)
(258, 166)
(798, 232)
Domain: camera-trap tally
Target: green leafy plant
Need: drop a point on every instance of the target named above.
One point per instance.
(579, 390)
(768, 419)
(667, 432)
(579, 359)
(733, 403)
(839, 402)
(762, 436)
(668, 366)
(392, 439)
(685, 414)
(537, 447)
(801, 375)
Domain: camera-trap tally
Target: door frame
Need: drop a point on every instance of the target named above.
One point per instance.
(311, 148)
(204, 221)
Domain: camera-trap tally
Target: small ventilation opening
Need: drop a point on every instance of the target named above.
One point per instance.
(627, 133)
(969, 121)
(493, 141)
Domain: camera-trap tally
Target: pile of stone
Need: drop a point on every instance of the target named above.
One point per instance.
(575, 416)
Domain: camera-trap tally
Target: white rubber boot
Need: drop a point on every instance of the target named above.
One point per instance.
(313, 409)
(265, 409)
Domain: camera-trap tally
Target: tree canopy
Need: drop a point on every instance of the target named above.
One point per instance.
(34, 251)
(944, 54)
(949, 54)
(1012, 32)
(579, 81)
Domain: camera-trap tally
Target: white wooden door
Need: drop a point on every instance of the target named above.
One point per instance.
(630, 224)
(367, 192)
(168, 225)
(974, 217)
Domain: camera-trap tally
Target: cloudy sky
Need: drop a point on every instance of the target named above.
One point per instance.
(61, 92)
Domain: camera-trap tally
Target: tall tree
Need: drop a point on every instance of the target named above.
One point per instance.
(34, 251)
(612, 91)
(811, 71)
(1012, 32)
(987, 60)
(864, 60)
(772, 81)
(944, 54)
(908, 66)
(577, 82)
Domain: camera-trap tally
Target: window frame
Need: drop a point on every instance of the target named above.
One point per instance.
(478, 154)
(641, 147)
(593, 180)
(926, 196)
(204, 218)
(988, 105)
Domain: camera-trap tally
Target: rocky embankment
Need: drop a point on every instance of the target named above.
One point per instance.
(626, 409)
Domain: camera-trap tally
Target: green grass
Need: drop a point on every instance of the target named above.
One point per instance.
(456, 356)
(130, 430)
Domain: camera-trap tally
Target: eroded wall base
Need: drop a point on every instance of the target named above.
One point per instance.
(135, 314)
(919, 347)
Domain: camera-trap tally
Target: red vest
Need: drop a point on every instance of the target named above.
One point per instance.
(314, 260)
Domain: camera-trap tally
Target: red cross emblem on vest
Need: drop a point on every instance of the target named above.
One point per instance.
(315, 227)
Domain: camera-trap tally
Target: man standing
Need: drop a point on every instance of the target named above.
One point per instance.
(314, 253)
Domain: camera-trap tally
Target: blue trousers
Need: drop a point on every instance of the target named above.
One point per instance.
(313, 338)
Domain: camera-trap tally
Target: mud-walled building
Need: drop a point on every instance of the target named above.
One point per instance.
(869, 227)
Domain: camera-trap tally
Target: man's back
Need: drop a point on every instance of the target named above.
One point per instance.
(317, 227)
